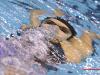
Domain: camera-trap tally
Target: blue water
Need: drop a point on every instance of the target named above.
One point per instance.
(81, 14)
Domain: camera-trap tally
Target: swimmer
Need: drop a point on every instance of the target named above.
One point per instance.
(75, 48)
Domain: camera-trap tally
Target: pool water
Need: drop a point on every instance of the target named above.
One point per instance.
(81, 14)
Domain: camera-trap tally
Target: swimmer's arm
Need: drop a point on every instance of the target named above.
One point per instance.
(34, 17)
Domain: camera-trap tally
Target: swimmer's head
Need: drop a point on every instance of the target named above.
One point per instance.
(62, 24)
